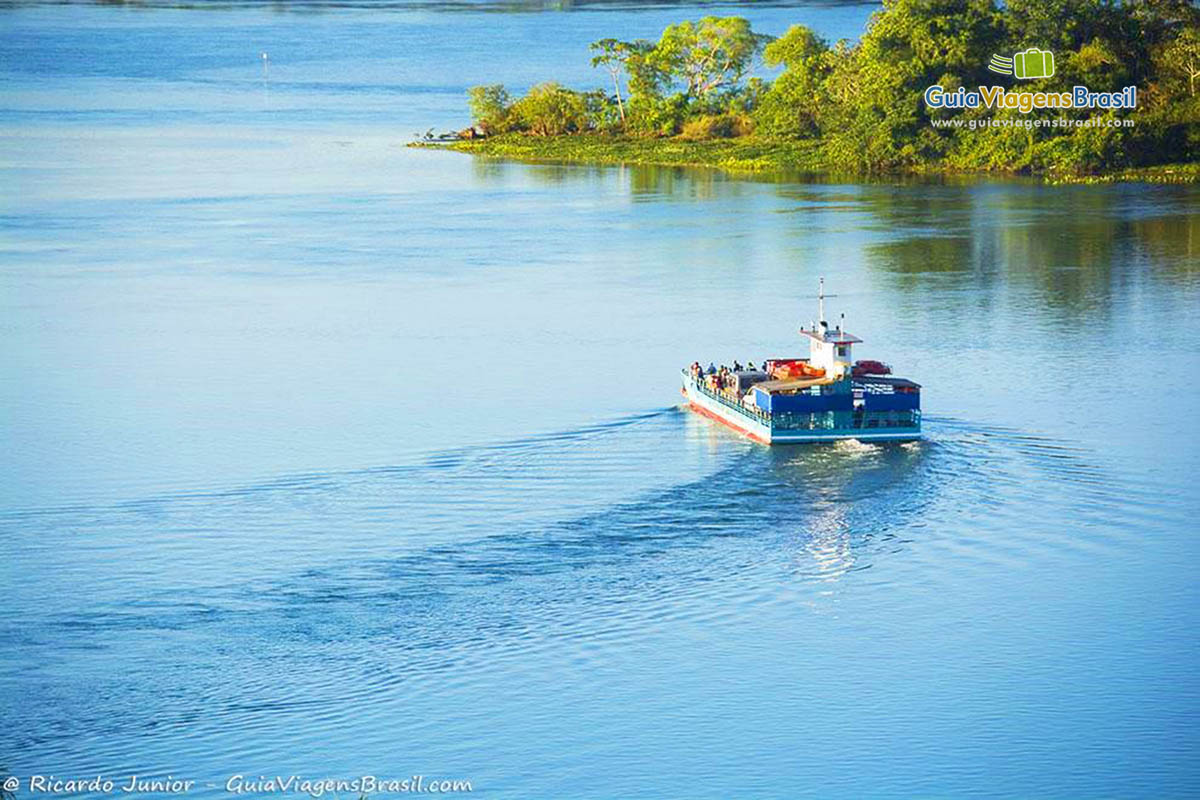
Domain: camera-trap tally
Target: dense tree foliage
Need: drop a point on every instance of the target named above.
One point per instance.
(491, 108)
(792, 107)
(710, 55)
(862, 104)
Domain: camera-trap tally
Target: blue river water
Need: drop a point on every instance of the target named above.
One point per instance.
(331, 457)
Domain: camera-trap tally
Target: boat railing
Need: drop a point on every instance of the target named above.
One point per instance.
(757, 413)
(810, 421)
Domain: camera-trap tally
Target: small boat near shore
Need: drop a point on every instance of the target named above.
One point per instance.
(825, 397)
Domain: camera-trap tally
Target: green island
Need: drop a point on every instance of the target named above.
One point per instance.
(862, 108)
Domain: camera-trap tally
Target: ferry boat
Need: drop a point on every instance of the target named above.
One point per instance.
(824, 397)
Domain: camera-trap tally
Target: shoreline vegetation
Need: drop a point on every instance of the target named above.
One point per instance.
(751, 155)
(859, 109)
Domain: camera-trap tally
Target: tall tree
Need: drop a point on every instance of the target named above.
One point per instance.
(791, 106)
(611, 54)
(1182, 57)
(714, 53)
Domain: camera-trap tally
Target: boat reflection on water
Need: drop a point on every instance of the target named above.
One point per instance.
(832, 503)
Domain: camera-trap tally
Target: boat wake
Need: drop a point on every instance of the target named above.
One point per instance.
(478, 557)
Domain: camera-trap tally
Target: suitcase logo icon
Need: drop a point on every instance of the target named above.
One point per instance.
(1027, 65)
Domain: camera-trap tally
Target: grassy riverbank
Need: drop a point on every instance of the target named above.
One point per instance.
(918, 93)
(742, 154)
(1161, 173)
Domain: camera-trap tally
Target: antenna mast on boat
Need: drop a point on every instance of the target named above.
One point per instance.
(821, 300)
(820, 323)
(821, 304)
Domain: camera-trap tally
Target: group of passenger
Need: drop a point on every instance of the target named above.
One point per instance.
(719, 378)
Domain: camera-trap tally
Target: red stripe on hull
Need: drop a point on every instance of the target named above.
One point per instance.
(752, 436)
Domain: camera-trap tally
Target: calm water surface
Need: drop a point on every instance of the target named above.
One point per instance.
(327, 456)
